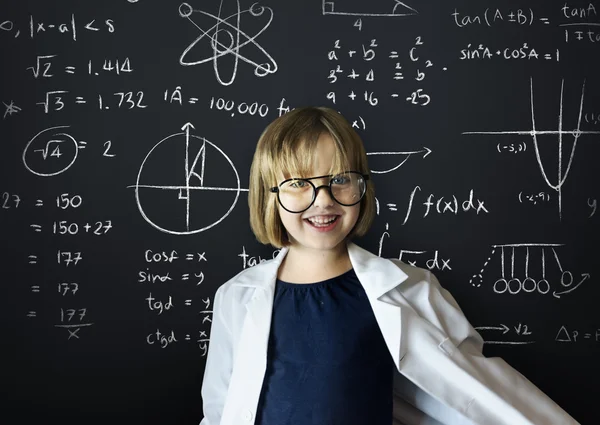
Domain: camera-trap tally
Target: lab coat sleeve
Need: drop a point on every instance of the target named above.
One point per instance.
(217, 372)
(504, 387)
(405, 413)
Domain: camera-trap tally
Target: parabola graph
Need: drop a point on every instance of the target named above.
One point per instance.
(186, 184)
(535, 132)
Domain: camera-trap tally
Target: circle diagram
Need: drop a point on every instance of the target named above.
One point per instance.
(186, 184)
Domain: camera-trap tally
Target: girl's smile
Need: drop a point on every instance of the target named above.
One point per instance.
(323, 223)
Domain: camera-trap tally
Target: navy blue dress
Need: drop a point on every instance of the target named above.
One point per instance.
(327, 361)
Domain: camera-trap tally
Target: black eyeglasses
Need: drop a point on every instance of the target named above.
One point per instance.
(296, 195)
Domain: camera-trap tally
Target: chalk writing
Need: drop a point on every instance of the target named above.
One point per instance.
(357, 67)
(512, 282)
(10, 109)
(249, 261)
(534, 133)
(236, 39)
(524, 52)
(193, 185)
(444, 204)
(43, 67)
(568, 335)
(518, 330)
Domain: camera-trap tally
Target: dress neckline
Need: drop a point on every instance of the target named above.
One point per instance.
(314, 284)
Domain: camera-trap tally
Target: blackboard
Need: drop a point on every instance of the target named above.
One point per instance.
(127, 133)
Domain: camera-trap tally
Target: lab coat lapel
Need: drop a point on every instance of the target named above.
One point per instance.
(250, 361)
(377, 275)
(259, 309)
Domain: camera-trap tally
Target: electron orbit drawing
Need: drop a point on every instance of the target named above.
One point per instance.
(392, 8)
(51, 152)
(226, 38)
(512, 281)
(186, 184)
(534, 133)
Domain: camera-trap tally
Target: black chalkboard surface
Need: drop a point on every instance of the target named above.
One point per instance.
(127, 133)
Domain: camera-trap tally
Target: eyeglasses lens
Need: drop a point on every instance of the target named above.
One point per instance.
(346, 188)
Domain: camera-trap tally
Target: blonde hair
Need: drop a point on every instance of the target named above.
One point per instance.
(287, 147)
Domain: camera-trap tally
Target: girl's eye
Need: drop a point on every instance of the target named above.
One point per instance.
(339, 179)
(298, 184)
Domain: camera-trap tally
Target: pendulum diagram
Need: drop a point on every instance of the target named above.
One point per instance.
(528, 268)
(186, 184)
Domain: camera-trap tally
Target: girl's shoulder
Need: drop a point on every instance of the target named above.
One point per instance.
(257, 276)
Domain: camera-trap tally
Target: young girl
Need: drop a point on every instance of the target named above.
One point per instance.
(328, 333)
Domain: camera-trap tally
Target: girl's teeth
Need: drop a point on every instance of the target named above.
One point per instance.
(320, 221)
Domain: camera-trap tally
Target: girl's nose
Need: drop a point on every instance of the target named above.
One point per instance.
(323, 198)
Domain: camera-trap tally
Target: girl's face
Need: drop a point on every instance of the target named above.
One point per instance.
(301, 231)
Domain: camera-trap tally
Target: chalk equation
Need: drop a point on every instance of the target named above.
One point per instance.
(432, 260)
(442, 205)
(498, 16)
(45, 67)
(158, 257)
(577, 21)
(56, 100)
(164, 339)
(515, 53)
(354, 65)
(569, 335)
(72, 319)
(68, 26)
(160, 302)
(54, 150)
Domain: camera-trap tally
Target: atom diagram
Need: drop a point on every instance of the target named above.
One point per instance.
(227, 39)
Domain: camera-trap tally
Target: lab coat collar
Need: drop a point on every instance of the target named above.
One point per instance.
(377, 275)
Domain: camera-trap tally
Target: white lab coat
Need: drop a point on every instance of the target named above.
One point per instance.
(442, 376)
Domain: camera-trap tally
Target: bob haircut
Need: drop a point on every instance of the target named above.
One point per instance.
(286, 148)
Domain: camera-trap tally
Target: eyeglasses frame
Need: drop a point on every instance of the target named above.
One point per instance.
(275, 189)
